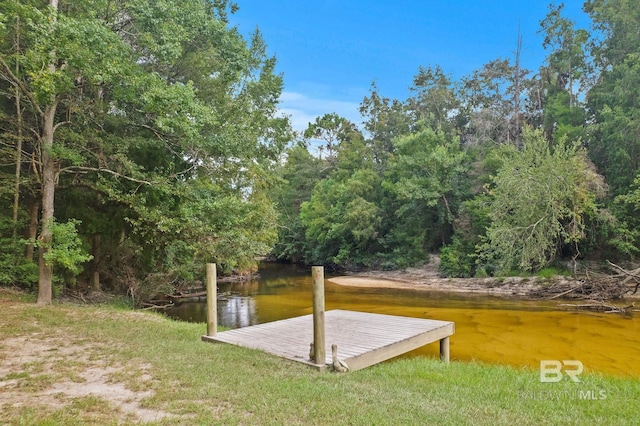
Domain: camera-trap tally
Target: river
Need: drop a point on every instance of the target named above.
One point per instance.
(488, 329)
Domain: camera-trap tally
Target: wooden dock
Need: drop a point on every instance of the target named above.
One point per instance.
(363, 339)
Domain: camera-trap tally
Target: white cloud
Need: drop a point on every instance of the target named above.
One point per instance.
(303, 109)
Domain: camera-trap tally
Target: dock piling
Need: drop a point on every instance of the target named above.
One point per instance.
(212, 300)
(444, 349)
(317, 274)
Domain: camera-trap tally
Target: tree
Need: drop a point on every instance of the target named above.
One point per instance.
(330, 129)
(565, 76)
(426, 183)
(342, 219)
(459, 257)
(541, 202)
(52, 39)
(492, 101)
(435, 103)
(625, 232)
(385, 120)
(614, 143)
(145, 112)
(298, 177)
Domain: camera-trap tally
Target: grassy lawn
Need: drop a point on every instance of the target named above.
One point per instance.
(68, 364)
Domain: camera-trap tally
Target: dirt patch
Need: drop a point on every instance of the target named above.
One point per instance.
(49, 371)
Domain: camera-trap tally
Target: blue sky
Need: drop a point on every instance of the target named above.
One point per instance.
(331, 50)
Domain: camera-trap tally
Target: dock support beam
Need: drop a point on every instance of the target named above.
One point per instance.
(212, 300)
(317, 274)
(444, 350)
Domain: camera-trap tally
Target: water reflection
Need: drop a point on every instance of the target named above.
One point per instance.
(237, 311)
(237, 300)
(488, 329)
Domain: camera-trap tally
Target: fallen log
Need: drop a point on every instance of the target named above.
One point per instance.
(593, 286)
(600, 307)
(633, 275)
(187, 295)
(154, 306)
(564, 293)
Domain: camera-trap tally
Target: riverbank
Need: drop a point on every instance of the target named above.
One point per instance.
(512, 286)
(427, 279)
(70, 364)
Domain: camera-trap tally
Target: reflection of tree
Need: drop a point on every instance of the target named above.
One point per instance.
(237, 311)
(239, 288)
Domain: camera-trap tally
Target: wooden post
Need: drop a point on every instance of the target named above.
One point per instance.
(444, 349)
(317, 274)
(212, 300)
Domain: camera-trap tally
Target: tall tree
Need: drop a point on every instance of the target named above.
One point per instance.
(149, 106)
(45, 81)
(493, 103)
(435, 103)
(331, 129)
(385, 119)
(614, 100)
(565, 76)
(299, 175)
(342, 218)
(426, 182)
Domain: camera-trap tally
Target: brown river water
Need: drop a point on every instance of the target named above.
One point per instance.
(488, 329)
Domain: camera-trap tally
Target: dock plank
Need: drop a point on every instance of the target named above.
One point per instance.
(363, 339)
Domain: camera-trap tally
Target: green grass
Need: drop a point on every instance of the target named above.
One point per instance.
(553, 272)
(204, 383)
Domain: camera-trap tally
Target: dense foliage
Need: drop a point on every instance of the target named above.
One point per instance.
(505, 170)
(540, 203)
(140, 139)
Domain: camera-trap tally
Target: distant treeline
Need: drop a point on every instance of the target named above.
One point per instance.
(505, 170)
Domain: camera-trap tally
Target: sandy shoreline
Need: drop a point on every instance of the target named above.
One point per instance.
(427, 278)
(425, 281)
(515, 286)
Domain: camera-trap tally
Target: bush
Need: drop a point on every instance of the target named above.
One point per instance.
(457, 259)
(15, 268)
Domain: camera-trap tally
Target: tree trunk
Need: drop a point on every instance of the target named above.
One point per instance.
(16, 193)
(570, 85)
(32, 229)
(49, 176)
(95, 263)
(516, 94)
